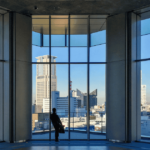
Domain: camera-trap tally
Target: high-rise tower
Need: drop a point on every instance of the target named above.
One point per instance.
(43, 80)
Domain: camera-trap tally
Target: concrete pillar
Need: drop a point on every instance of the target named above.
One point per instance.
(8, 78)
(22, 76)
(17, 77)
(122, 103)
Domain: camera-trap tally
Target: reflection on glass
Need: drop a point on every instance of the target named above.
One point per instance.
(98, 53)
(78, 54)
(40, 101)
(145, 45)
(59, 97)
(97, 100)
(78, 101)
(145, 98)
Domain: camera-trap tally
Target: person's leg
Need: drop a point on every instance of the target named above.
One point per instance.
(56, 133)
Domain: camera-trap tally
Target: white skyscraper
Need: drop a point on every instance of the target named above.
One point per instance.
(43, 79)
(143, 92)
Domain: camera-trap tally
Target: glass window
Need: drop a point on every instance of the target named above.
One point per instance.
(145, 98)
(78, 54)
(98, 53)
(40, 54)
(145, 46)
(59, 38)
(45, 40)
(98, 38)
(59, 96)
(40, 40)
(78, 32)
(40, 101)
(60, 54)
(145, 26)
(59, 31)
(78, 101)
(36, 38)
(97, 101)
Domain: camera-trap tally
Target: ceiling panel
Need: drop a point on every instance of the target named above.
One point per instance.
(59, 16)
(60, 26)
(40, 16)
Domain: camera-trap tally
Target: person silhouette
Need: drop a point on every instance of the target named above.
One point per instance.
(56, 123)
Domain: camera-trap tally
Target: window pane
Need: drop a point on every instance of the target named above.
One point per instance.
(45, 40)
(145, 46)
(59, 97)
(98, 53)
(41, 40)
(40, 31)
(145, 26)
(98, 31)
(97, 101)
(40, 101)
(60, 53)
(78, 32)
(145, 98)
(40, 54)
(98, 38)
(36, 38)
(78, 54)
(59, 31)
(78, 101)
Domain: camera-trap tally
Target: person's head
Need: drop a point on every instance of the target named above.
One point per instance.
(54, 110)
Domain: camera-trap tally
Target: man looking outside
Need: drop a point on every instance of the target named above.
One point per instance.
(56, 123)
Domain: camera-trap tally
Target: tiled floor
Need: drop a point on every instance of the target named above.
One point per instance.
(73, 148)
(74, 145)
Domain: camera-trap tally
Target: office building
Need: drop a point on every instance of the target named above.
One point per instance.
(60, 103)
(43, 80)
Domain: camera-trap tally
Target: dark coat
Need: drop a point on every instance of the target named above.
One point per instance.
(55, 119)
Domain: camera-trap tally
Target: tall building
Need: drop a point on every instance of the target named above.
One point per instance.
(43, 79)
(143, 94)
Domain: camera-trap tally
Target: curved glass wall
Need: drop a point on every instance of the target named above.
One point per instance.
(68, 73)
